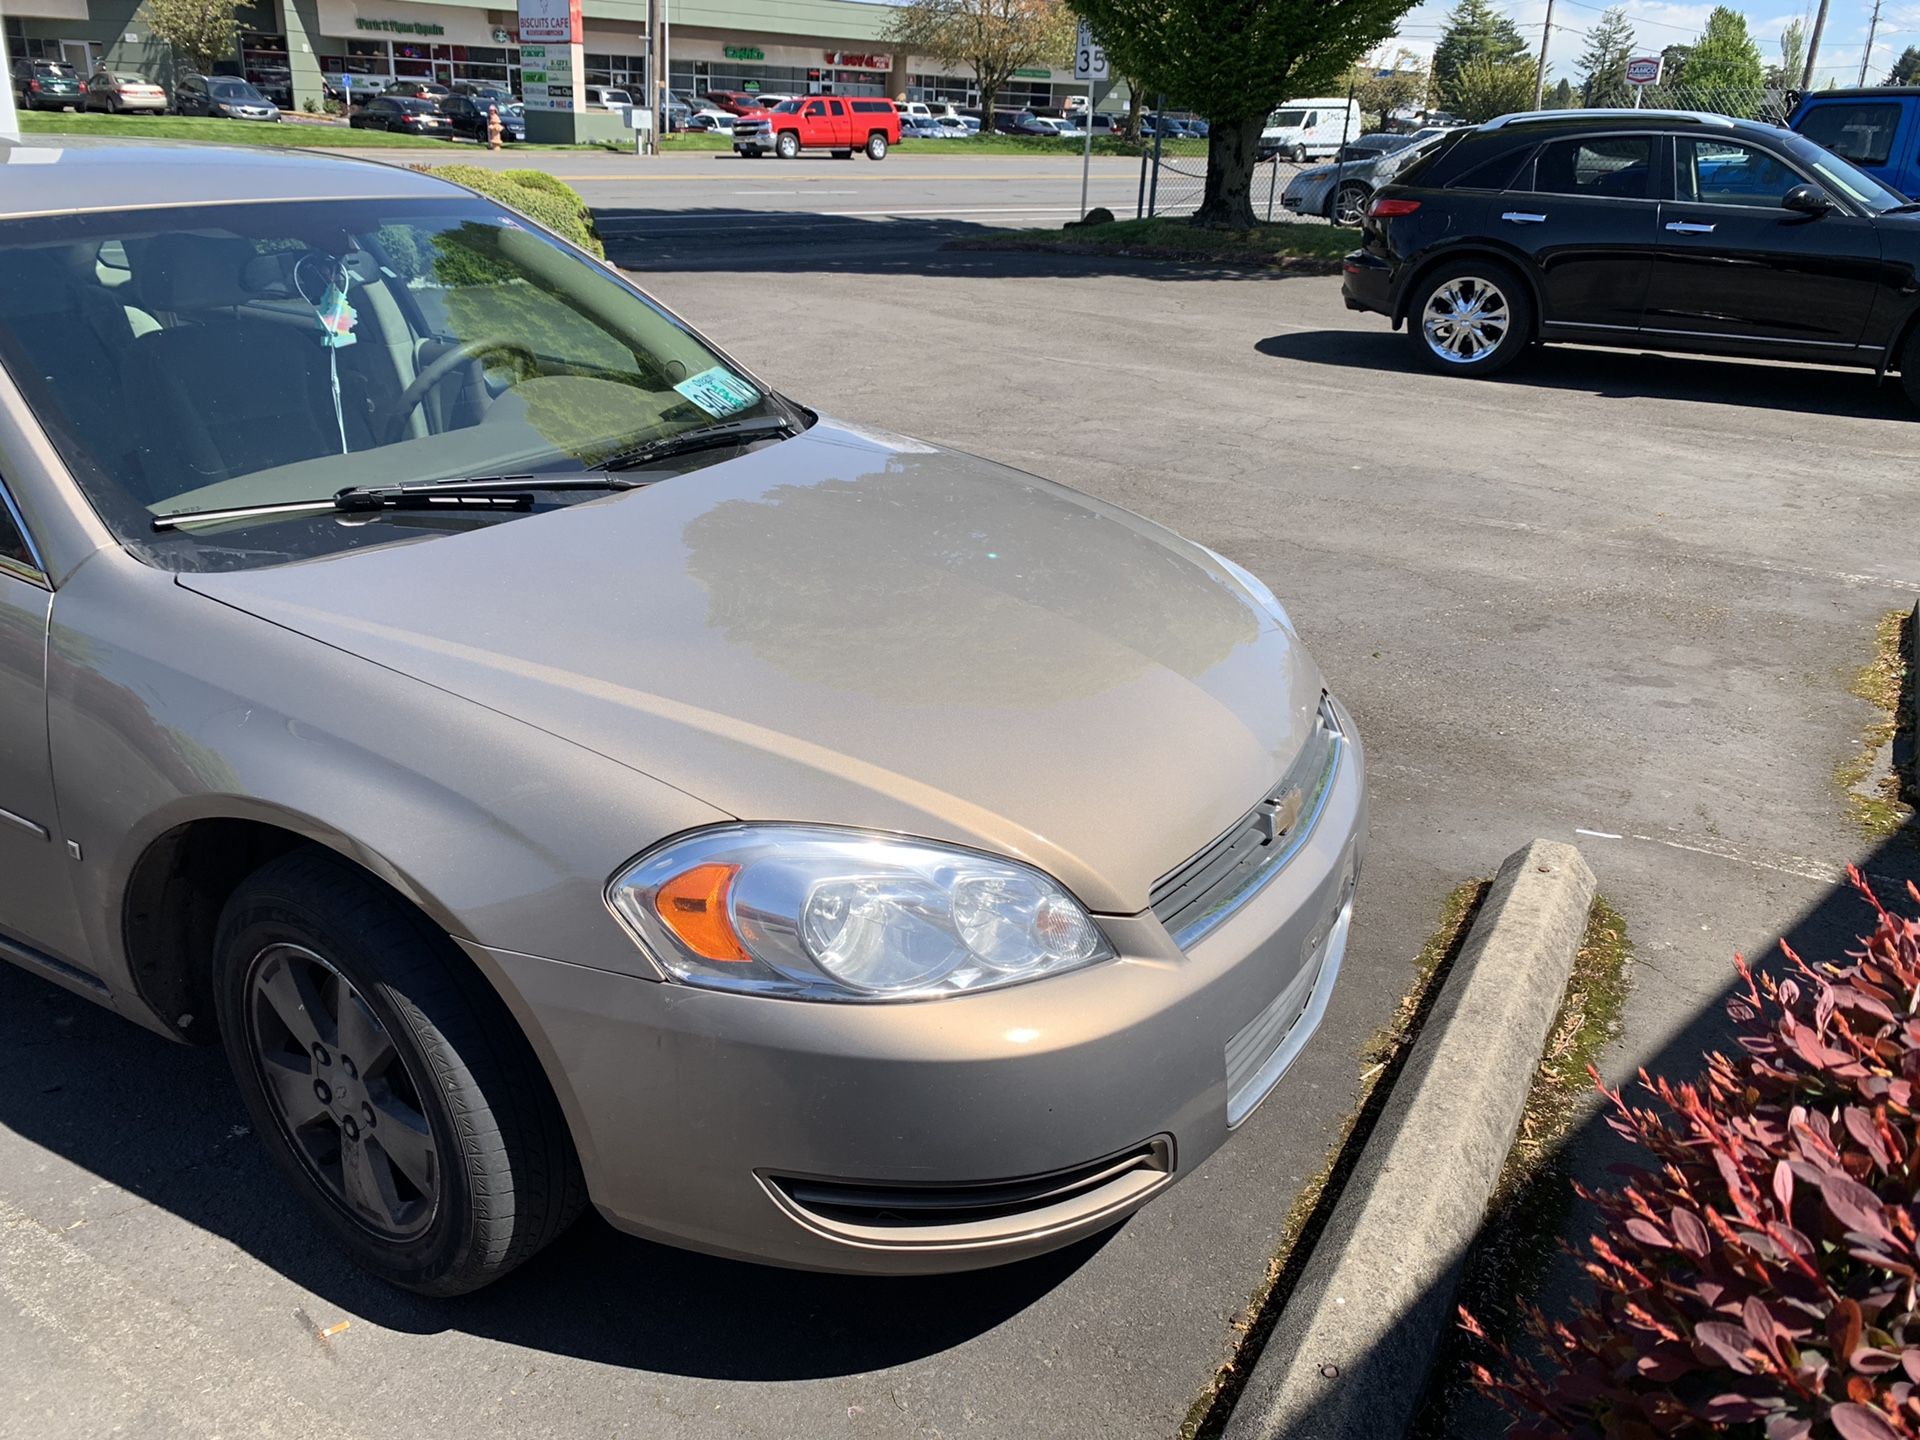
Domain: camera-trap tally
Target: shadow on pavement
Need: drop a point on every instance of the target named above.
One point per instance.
(1623, 374)
(164, 1123)
(870, 243)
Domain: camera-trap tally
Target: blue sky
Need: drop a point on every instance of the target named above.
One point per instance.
(1659, 23)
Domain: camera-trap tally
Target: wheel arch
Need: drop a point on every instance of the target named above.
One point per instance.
(1471, 251)
(180, 880)
(1903, 332)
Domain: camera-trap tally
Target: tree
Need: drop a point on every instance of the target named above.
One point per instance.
(993, 37)
(1475, 31)
(1561, 96)
(1382, 90)
(1793, 58)
(1603, 64)
(1484, 88)
(1906, 70)
(1725, 67)
(1233, 61)
(202, 32)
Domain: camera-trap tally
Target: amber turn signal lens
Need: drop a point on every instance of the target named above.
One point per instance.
(693, 905)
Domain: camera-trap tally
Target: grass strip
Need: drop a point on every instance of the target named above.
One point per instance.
(1884, 684)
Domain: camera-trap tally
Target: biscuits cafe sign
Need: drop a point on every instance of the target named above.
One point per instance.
(846, 61)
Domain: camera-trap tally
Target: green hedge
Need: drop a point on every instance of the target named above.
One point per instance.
(535, 194)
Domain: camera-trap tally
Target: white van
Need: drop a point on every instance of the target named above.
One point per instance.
(1306, 129)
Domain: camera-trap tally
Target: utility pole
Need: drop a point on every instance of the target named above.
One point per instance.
(1546, 34)
(1813, 46)
(1866, 55)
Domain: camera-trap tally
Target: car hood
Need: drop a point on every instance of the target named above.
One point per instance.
(852, 628)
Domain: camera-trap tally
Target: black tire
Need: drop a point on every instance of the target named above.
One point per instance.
(1910, 366)
(876, 146)
(1298, 155)
(1499, 327)
(787, 145)
(450, 1060)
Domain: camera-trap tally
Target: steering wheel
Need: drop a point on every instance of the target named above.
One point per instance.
(444, 365)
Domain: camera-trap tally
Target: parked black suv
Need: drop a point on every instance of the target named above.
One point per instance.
(1664, 230)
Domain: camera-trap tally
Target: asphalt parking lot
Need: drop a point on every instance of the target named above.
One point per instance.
(1610, 598)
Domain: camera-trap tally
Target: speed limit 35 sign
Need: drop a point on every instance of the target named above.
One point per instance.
(1089, 57)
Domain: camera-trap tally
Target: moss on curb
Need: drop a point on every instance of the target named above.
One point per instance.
(1381, 1059)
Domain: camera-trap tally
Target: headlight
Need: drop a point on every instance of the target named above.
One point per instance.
(1256, 590)
(818, 914)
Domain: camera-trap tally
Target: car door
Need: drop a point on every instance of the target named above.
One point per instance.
(1732, 262)
(842, 126)
(1583, 210)
(36, 894)
(816, 127)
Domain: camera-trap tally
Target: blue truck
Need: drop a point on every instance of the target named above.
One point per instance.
(1877, 128)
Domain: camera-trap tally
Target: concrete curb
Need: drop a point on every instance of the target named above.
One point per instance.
(1348, 1358)
(1913, 694)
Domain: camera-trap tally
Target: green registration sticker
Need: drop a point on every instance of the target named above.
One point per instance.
(719, 392)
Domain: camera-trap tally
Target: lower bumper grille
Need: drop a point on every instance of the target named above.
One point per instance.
(1267, 1045)
(985, 1213)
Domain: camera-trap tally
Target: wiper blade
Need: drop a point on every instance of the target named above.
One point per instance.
(1906, 209)
(707, 437)
(481, 492)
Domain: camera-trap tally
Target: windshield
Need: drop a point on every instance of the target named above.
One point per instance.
(1836, 174)
(1286, 119)
(232, 355)
(788, 107)
(234, 90)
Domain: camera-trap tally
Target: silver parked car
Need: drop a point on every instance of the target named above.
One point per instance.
(1339, 192)
(559, 768)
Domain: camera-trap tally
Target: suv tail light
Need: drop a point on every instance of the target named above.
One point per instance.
(1385, 209)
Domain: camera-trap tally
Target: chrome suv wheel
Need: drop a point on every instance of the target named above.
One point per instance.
(1471, 318)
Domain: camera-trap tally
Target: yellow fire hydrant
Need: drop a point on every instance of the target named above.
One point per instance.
(493, 127)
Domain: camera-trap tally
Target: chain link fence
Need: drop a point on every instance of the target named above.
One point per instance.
(1173, 172)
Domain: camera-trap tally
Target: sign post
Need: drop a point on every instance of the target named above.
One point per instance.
(1642, 71)
(1091, 65)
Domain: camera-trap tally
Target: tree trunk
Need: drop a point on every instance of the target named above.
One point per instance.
(989, 92)
(1231, 150)
(1136, 102)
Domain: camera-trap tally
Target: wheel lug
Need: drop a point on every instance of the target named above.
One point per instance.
(346, 1065)
(320, 1055)
(349, 1128)
(366, 1113)
(323, 1091)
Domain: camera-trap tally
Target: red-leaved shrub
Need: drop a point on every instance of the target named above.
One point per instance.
(1759, 1278)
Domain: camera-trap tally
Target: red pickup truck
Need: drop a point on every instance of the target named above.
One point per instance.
(842, 124)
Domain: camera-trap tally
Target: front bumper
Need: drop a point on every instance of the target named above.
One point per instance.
(949, 1134)
(752, 144)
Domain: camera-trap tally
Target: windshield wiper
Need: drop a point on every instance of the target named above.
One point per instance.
(708, 437)
(511, 493)
(1906, 209)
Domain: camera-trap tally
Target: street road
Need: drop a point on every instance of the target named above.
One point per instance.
(1614, 599)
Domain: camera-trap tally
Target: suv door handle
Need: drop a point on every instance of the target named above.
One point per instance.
(1687, 227)
(1523, 217)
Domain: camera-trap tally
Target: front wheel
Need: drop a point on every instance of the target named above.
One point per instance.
(787, 146)
(876, 146)
(1298, 155)
(387, 1080)
(1472, 317)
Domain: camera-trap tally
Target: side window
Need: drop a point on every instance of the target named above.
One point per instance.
(1313, 119)
(1728, 172)
(14, 554)
(1618, 168)
(817, 107)
(836, 107)
(1862, 133)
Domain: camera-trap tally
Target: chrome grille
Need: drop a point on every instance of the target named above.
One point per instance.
(1226, 874)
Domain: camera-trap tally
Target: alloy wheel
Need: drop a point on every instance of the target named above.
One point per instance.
(1466, 320)
(1349, 204)
(341, 1092)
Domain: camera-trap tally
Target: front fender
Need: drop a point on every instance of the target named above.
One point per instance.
(167, 707)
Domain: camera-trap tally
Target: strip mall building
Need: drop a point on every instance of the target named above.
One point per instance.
(771, 46)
